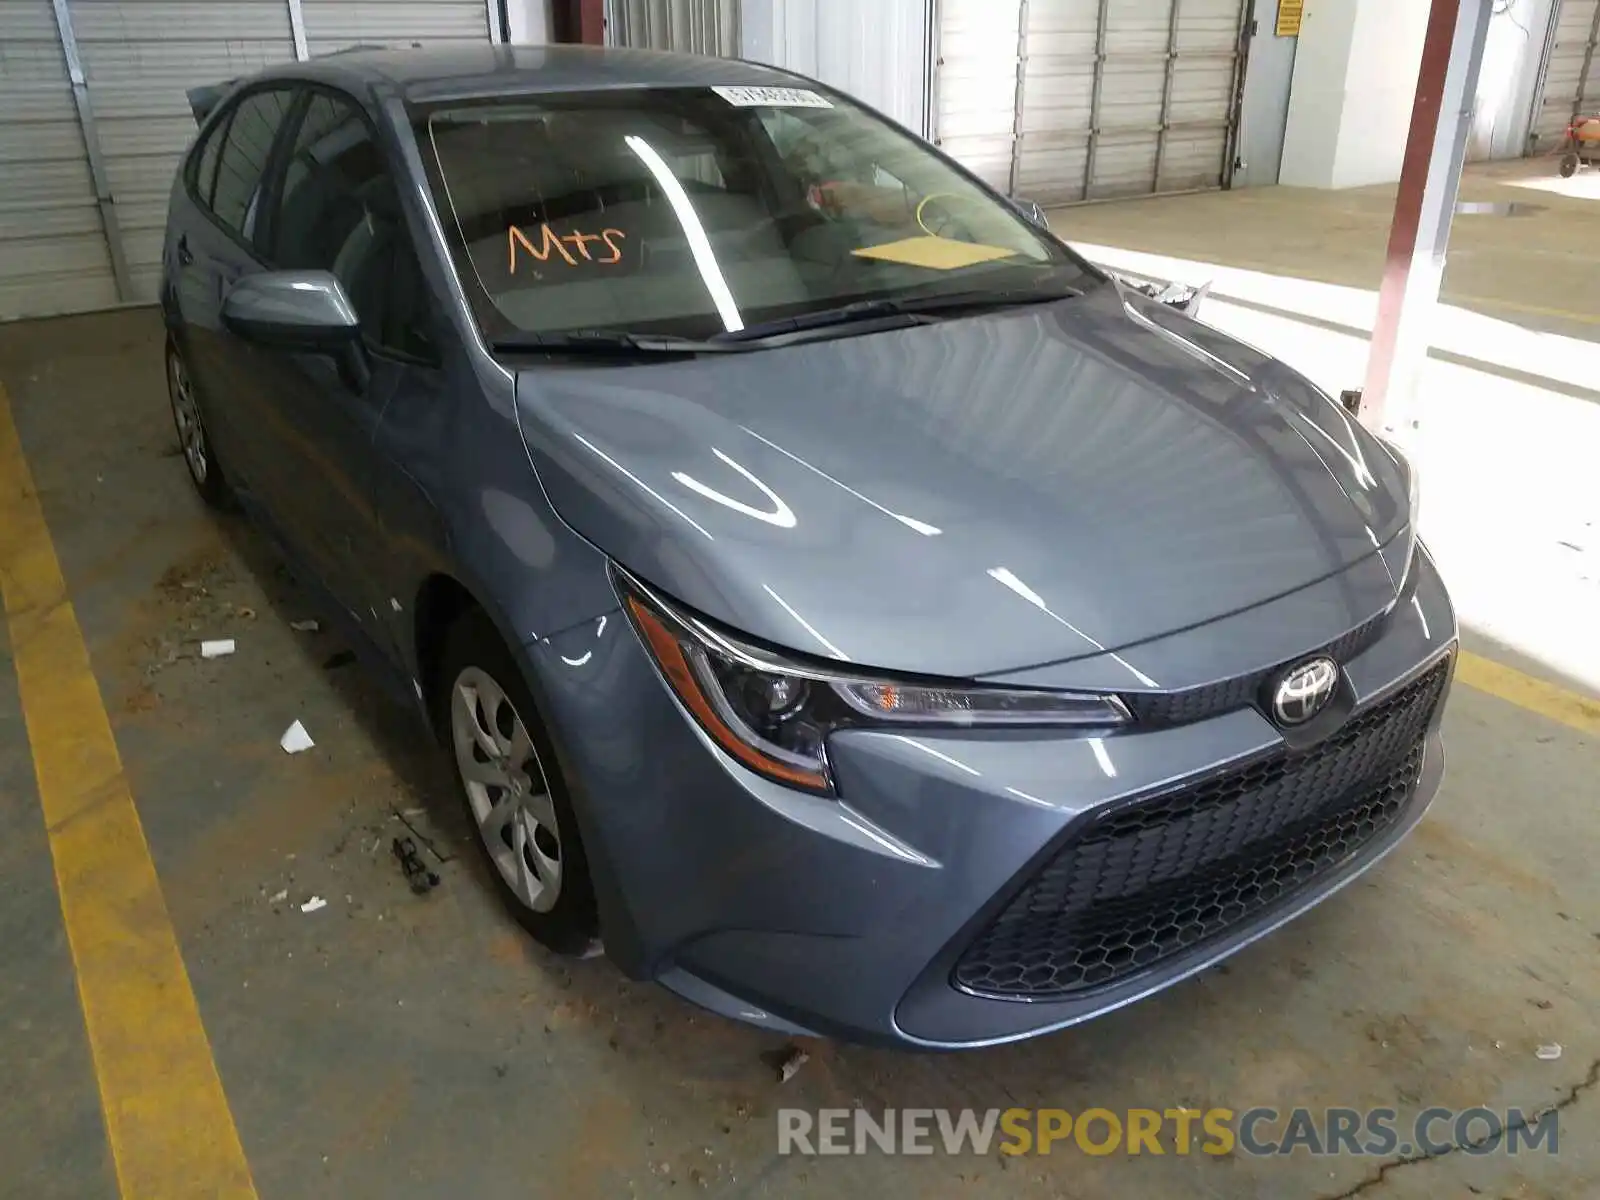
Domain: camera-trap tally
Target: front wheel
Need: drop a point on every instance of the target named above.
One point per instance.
(198, 456)
(1569, 165)
(514, 793)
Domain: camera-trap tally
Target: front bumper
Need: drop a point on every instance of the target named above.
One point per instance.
(848, 917)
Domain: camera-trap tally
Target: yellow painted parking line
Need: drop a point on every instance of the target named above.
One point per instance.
(1543, 310)
(167, 1120)
(1571, 709)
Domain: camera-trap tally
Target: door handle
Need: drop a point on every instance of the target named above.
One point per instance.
(185, 255)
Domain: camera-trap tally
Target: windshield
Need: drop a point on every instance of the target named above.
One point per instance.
(694, 212)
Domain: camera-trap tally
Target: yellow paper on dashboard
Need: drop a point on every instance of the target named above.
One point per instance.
(935, 253)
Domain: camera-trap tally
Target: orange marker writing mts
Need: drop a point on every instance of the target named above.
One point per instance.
(552, 242)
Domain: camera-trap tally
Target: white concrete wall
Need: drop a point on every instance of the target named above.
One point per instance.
(1509, 82)
(1316, 95)
(529, 22)
(1355, 74)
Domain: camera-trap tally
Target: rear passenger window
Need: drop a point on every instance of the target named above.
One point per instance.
(244, 155)
(203, 175)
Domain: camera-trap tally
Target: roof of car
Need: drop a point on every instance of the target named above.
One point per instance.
(488, 70)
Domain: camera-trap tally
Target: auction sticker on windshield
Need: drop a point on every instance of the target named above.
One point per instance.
(772, 97)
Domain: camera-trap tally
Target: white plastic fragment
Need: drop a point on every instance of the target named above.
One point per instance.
(792, 1064)
(1549, 1053)
(309, 625)
(295, 739)
(217, 648)
(278, 897)
(311, 905)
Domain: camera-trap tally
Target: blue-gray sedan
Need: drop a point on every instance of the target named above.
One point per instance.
(856, 609)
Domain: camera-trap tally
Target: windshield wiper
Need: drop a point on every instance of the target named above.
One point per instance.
(912, 308)
(608, 341)
(886, 312)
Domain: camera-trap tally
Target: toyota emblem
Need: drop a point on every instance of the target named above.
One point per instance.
(1304, 691)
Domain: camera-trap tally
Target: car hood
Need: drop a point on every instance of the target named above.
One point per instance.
(967, 497)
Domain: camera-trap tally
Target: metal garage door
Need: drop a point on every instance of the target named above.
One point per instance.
(138, 59)
(332, 24)
(1063, 100)
(688, 26)
(53, 254)
(1571, 73)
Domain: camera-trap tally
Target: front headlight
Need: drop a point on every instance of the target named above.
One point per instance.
(773, 713)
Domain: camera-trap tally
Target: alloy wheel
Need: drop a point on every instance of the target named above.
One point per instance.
(507, 789)
(186, 414)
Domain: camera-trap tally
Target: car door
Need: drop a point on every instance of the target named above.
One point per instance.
(336, 208)
(215, 244)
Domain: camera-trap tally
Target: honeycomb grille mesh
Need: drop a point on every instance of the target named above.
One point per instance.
(1196, 704)
(1165, 874)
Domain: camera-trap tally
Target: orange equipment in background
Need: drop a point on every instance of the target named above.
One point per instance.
(1582, 147)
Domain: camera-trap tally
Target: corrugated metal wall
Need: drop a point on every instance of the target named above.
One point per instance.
(331, 24)
(53, 254)
(1063, 100)
(1571, 73)
(687, 26)
(138, 59)
(877, 50)
(975, 85)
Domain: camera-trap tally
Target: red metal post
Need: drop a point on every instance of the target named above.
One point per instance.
(578, 21)
(592, 22)
(1430, 177)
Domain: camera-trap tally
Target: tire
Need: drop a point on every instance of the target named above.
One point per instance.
(530, 844)
(205, 472)
(1569, 165)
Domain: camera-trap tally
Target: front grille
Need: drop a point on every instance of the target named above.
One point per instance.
(1162, 875)
(1213, 699)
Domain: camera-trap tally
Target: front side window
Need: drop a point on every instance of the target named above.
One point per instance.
(698, 211)
(338, 211)
(243, 160)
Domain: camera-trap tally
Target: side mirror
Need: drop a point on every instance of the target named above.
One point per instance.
(304, 311)
(1031, 212)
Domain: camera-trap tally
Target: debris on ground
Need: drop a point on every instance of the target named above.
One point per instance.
(216, 648)
(295, 739)
(245, 613)
(278, 897)
(309, 625)
(421, 879)
(791, 1064)
(313, 904)
(1549, 1053)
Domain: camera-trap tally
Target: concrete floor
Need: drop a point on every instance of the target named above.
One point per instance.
(396, 1046)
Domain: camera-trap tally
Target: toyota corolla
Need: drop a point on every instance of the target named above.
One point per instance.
(839, 600)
